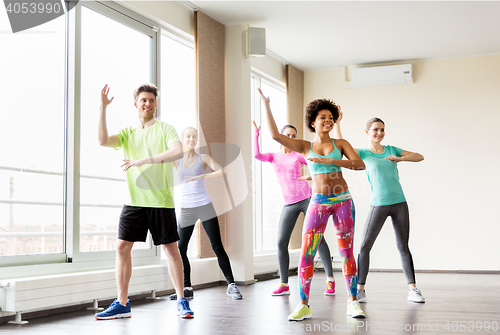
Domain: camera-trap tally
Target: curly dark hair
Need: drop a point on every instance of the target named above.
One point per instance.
(317, 105)
(150, 88)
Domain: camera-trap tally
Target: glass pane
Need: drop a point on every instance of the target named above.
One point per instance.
(32, 139)
(178, 84)
(119, 56)
(178, 100)
(272, 198)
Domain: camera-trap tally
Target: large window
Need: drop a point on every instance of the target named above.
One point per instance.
(178, 100)
(60, 192)
(32, 142)
(268, 199)
(120, 58)
(178, 82)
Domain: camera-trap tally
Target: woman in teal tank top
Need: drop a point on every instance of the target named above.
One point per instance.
(330, 197)
(387, 200)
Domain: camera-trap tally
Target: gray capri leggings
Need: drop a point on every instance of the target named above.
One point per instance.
(288, 218)
(401, 224)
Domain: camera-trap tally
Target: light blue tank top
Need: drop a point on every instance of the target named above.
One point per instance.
(383, 176)
(317, 168)
(194, 193)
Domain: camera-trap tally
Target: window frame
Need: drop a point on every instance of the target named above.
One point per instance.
(189, 42)
(71, 259)
(8, 262)
(140, 24)
(257, 77)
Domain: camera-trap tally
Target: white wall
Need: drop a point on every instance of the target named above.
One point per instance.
(451, 115)
(170, 14)
(270, 66)
(239, 239)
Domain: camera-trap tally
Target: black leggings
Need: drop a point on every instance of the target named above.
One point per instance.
(401, 224)
(208, 217)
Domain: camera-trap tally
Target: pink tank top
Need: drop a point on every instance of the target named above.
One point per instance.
(287, 169)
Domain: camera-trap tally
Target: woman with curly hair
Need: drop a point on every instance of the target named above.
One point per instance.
(296, 192)
(330, 197)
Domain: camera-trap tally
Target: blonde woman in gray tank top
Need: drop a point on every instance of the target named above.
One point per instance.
(196, 205)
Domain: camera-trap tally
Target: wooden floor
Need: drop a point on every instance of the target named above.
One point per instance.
(454, 302)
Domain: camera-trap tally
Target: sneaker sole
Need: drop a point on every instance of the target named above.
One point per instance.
(186, 316)
(237, 298)
(117, 316)
(356, 316)
(282, 293)
(184, 298)
(362, 300)
(417, 301)
(330, 293)
(307, 316)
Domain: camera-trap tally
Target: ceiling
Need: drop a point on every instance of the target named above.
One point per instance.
(319, 35)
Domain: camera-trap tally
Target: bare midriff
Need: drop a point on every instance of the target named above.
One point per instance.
(329, 183)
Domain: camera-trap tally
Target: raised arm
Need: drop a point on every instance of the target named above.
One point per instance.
(337, 134)
(104, 139)
(299, 146)
(172, 154)
(267, 157)
(353, 161)
(407, 156)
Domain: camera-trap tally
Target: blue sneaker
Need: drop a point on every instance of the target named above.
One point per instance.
(183, 309)
(115, 311)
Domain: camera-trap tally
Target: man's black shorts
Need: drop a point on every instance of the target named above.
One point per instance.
(135, 222)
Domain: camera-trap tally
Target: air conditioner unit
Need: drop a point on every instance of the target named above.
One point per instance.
(382, 75)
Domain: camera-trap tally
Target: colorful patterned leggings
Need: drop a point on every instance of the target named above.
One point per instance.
(341, 207)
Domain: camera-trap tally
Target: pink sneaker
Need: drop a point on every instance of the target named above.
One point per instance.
(330, 287)
(282, 290)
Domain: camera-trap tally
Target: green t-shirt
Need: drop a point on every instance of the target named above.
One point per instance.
(383, 176)
(150, 185)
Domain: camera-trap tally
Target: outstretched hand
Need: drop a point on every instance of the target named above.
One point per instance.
(255, 125)
(188, 179)
(105, 101)
(128, 164)
(320, 160)
(394, 159)
(341, 114)
(263, 97)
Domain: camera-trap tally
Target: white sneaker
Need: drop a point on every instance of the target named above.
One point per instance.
(361, 295)
(415, 295)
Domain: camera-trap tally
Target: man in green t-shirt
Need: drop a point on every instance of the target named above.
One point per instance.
(149, 149)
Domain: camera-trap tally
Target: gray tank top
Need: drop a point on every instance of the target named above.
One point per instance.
(194, 193)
